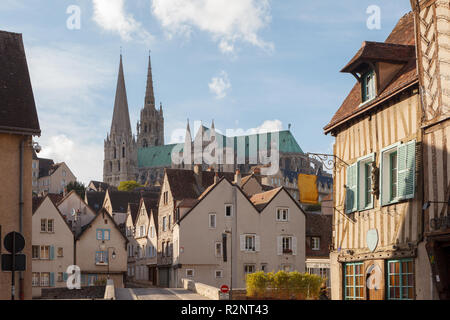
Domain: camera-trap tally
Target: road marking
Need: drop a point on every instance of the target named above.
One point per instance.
(133, 295)
(177, 295)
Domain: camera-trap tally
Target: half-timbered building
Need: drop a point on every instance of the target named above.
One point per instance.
(378, 250)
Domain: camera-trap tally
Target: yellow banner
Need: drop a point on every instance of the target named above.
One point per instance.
(307, 186)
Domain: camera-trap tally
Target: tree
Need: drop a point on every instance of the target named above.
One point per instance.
(77, 186)
(128, 186)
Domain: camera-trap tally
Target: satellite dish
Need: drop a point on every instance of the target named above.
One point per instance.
(73, 211)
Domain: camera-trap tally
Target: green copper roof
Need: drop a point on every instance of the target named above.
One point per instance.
(160, 156)
(288, 144)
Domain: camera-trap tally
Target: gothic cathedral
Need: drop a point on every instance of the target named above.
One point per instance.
(120, 146)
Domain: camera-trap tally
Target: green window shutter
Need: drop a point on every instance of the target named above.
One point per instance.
(352, 188)
(406, 156)
(52, 252)
(65, 276)
(52, 279)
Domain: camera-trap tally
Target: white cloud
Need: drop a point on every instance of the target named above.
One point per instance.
(68, 83)
(84, 160)
(228, 21)
(111, 16)
(268, 126)
(220, 85)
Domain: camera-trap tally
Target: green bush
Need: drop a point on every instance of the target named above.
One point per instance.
(283, 285)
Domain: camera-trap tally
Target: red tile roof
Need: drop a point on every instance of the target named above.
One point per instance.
(403, 35)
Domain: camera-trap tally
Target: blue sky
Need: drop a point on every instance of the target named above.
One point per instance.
(244, 63)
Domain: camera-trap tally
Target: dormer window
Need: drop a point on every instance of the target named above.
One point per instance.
(368, 86)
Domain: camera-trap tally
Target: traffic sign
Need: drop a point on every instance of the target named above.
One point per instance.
(20, 262)
(224, 289)
(14, 242)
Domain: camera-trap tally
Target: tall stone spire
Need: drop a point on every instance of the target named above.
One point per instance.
(149, 93)
(121, 117)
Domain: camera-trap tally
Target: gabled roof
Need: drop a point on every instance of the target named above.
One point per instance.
(184, 185)
(261, 200)
(95, 199)
(68, 195)
(133, 208)
(380, 51)
(17, 106)
(99, 185)
(44, 167)
(151, 206)
(121, 199)
(37, 202)
(103, 213)
(403, 34)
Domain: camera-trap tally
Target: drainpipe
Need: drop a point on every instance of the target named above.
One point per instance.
(235, 235)
(22, 147)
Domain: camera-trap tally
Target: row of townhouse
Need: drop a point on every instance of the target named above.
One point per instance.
(67, 232)
(214, 229)
(390, 220)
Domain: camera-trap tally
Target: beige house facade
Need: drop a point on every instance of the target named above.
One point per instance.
(76, 212)
(52, 247)
(227, 235)
(54, 179)
(101, 251)
(146, 241)
(18, 124)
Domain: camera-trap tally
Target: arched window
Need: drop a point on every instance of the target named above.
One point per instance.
(110, 166)
(123, 152)
(145, 128)
(115, 153)
(118, 165)
(145, 143)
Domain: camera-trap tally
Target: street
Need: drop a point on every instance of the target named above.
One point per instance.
(156, 294)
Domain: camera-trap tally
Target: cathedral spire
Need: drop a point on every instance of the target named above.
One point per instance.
(121, 117)
(149, 93)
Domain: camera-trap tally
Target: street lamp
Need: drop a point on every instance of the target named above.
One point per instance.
(113, 255)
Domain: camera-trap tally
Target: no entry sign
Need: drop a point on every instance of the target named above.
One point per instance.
(224, 289)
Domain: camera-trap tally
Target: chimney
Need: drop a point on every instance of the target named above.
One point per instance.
(210, 169)
(216, 178)
(198, 175)
(238, 178)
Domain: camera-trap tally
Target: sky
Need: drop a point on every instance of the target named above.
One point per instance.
(246, 64)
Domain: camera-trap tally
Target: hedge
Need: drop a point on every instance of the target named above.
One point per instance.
(283, 285)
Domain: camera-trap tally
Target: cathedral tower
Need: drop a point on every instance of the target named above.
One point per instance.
(150, 128)
(120, 145)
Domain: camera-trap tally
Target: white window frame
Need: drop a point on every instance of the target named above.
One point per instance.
(361, 204)
(253, 242)
(215, 248)
(290, 242)
(249, 265)
(282, 218)
(231, 212)
(192, 271)
(210, 225)
(220, 274)
(315, 245)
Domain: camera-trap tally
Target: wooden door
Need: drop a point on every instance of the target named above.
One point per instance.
(374, 282)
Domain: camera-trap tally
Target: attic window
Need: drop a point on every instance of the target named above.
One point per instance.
(368, 86)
